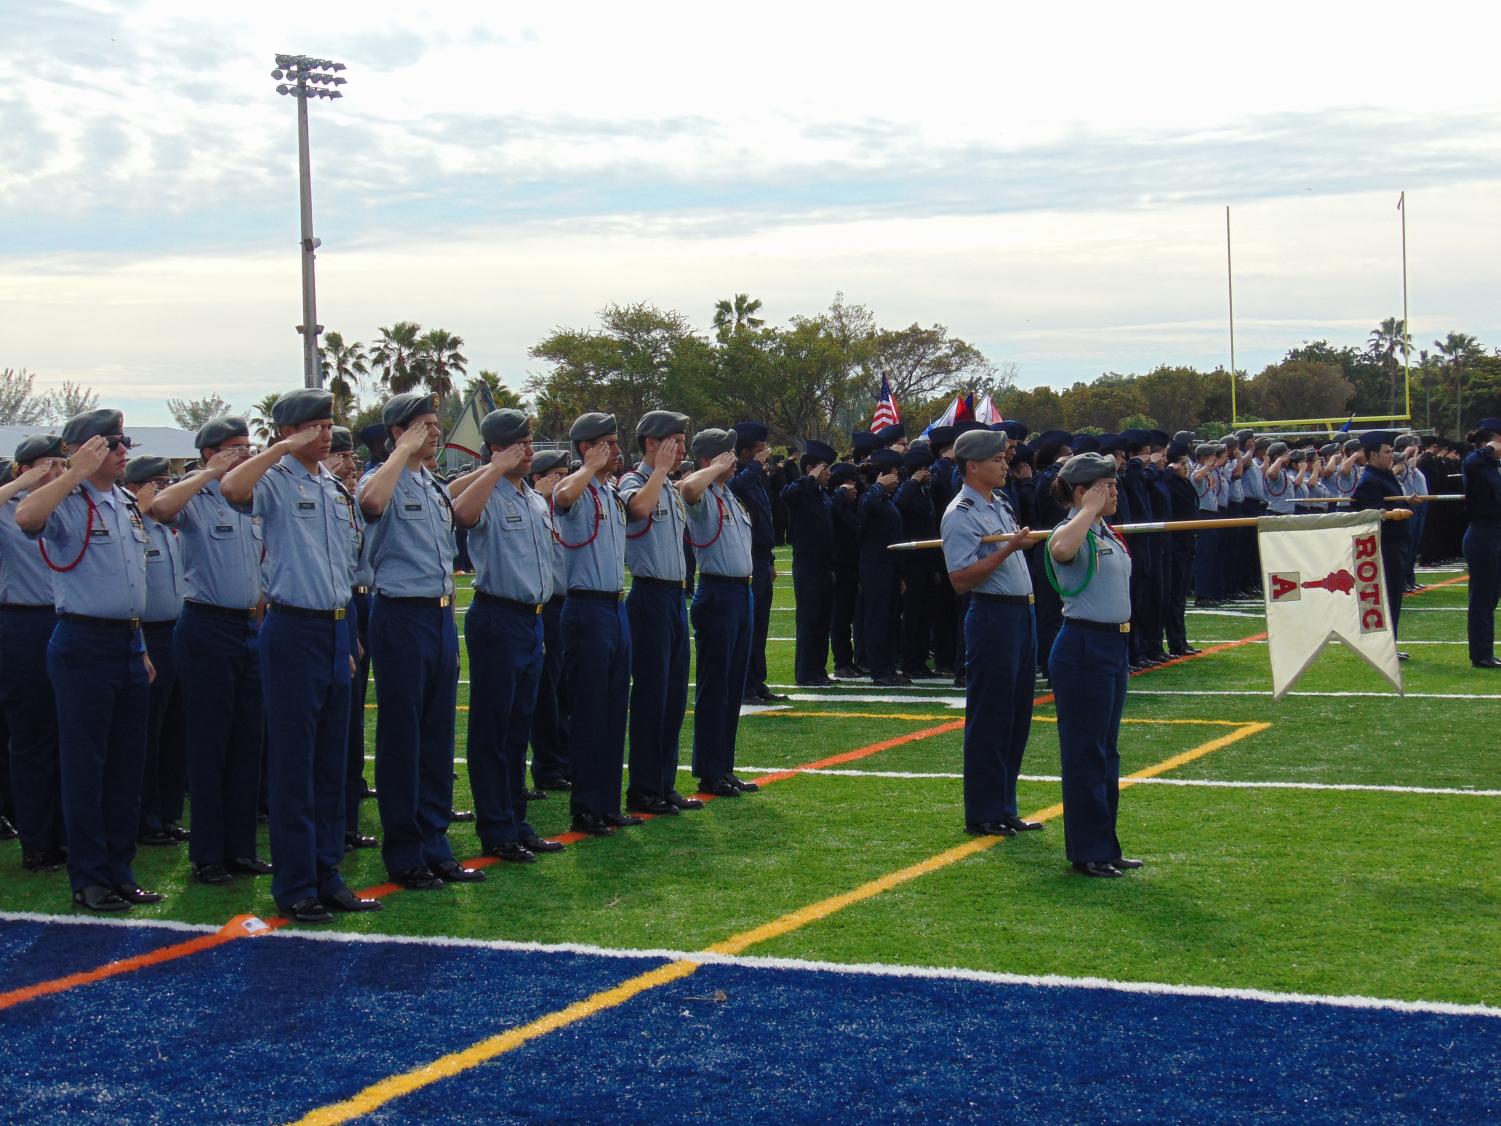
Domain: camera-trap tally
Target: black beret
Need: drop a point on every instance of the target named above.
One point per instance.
(893, 433)
(305, 404)
(843, 471)
(964, 426)
(216, 431)
(1111, 443)
(90, 424)
(1175, 450)
(978, 445)
(863, 441)
(144, 467)
(1135, 439)
(748, 433)
(1015, 429)
(709, 444)
(1158, 438)
(1022, 455)
(401, 409)
(1375, 439)
(373, 438)
(34, 446)
(1084, 443)
(915, 459)
(660, 424)
(885, 459)
(591, 427)
(819, 451)
(548, 460)
(340, 441)
(941, 436)
(1087, 468)
(1490, 423)
(506, 427)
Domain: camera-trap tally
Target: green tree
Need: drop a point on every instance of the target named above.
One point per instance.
(19, 403)
(398, 356)
(1102, 404)
(1460, 350)
(442, 361)
(501, 394)
(1300, 389)
(262, 425)
(733, 316)
(71, 399)
(190, 414)
(1041, 408)
(346, 366)
(919, 362)
(1386, 341)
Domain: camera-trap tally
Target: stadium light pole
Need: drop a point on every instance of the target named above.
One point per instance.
(303, 77)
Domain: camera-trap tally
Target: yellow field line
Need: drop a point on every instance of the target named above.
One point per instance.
(445, 1067)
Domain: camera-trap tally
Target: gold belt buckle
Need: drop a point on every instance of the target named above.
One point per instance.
(538, 609)
(339, 614)
(1125, 627)
(1031, 598)
(620, 596)
(445, 602)
(135, 623)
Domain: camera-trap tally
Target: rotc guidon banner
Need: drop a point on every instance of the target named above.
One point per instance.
(1323, 582)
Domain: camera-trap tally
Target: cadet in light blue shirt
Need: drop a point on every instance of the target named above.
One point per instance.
(1091, 568)
(312, 543)
(217, 649)
(27, 620)
(95, 540)
(549, 735)
(511, 544)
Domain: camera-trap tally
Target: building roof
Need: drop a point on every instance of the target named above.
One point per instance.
(158, 441)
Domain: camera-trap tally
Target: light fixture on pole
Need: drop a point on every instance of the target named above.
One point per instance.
(303, 77)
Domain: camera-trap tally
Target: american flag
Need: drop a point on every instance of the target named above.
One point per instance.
(886, 412)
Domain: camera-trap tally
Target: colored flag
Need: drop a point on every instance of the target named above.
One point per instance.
(947, 418)
(969, 407)
(465, 434)
(886, 410)
(1324, 582)
(987, 413)
(1345, 429)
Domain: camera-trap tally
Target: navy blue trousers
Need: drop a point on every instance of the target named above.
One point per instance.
(415, 651)
(722, 629)
(31, 716)
(880, 593)
(597, 668)
(659, 689)
(813, 588)
(219, 674)
(1000, 667)
(1089, 681)
(99, 679)
(550, 718)
(1482, 546)
(846, 631)
(165, 773)
(305, 672)
(1209, 579)
(505, 670)
(359, 695)
(761, 585)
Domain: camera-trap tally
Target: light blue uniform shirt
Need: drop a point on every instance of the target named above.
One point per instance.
(1236, 485)
(1255, 481)
(1344, 482)
(1207, 487)
(411, 544)
(25, 580)
(109, 580)
(165, 587)
(312, 536)
(720, 531)
(654, 546)
(512, 546)
(593, 535)
(221, 551)
(1107, 598)
(971, 515)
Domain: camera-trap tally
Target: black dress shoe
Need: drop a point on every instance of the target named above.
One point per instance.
(961, 681)
(7, 830)
(921, 673)
(156, 838)
(848, 672)
(249, 866)
(212, 874)
(1401, 656)
(354, 839)
(43, 860)
(452, 872)
(346, 900)
(534, 795)
(512, 852)
(719, 787)
(309, 911)
(178, 831)
(1019, 825)
(1488, 663)
(1125, 864)
(135, 893)
(989, 829)
(542, 844)
(97, 898)
(461, 815)
(593, 826)
(895, 680)
(554, 784)
(657, 807)
(623, 820)
(743, 787)
(1098, 869)
(770, 697)
(824, 683)
(368, 793)
(680, 802)
(1186, 651)
(417, 879)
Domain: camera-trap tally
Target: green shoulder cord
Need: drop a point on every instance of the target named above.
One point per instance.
(1047, 560)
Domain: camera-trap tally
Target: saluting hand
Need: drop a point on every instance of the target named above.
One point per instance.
(412, 440)
(821, 474)
(35, 474)
(302, 440)
(1097, 496)
(726, 464)
(88, 457)
(227, 458)
(669, 454)
(599, 457)
(508, 458)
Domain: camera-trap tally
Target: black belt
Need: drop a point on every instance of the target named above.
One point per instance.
(237, 614)
(436, 602)
(27, 608)
(165, 623)
(89, 620)
(1101, 627)
(599, 595)
(736, 580)
(670, 584)
(508, 603)
(1005, 599)
(555, 600)
(303, 612)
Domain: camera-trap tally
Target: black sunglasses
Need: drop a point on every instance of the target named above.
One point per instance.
(115, 441)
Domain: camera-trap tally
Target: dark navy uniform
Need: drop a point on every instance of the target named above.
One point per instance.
(918, 570)
(1396, 536)
(810, 528)
(880, 527)
(846, 627)
(1482, 548)
(749, 485)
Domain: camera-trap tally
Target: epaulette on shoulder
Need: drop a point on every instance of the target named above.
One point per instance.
(999, 494)
(280, 468)
(965, 503)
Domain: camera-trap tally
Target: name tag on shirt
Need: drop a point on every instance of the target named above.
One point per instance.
(153, 552)
(224, 527)
(100, 533)
(1106, 551)
(306, 505)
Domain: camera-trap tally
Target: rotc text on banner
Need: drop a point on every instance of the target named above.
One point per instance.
(1323, 582)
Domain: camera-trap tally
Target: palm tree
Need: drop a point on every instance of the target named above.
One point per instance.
(1459, 348)
(1387, 339)
(734, 316)
(346, 365)
(443, 360)
(398, 356)
(260, 417)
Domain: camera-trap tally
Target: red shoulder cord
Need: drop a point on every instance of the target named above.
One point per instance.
(718, 532)
(649, 519)
(1116, 536)
(88, 534)
(599, 518)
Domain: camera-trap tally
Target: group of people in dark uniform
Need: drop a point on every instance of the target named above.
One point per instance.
(212, 635)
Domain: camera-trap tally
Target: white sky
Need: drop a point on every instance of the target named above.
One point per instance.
(1049, 184)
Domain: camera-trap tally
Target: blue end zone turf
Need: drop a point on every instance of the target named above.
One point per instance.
(267, 1028)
